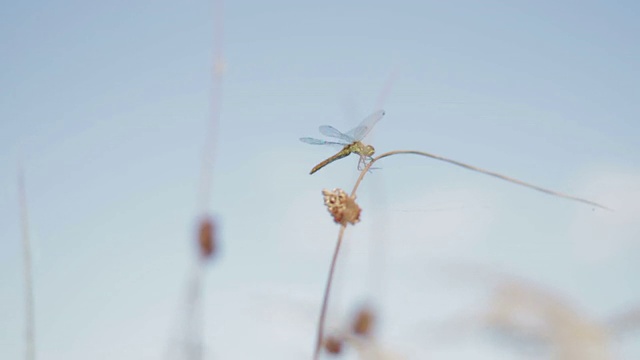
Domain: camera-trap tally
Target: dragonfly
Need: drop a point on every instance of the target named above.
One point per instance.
(350, 141)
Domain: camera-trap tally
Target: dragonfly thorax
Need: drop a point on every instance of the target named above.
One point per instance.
(362, 149)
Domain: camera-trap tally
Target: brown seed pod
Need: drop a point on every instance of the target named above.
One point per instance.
(333, 345)
(363, 322)
(342, 207)
(206, 238)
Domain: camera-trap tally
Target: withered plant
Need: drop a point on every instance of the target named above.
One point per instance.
(359, 335)
(529, 317)
(207, 243)
(344, 211)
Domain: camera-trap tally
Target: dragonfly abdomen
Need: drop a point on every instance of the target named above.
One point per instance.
(343, 153)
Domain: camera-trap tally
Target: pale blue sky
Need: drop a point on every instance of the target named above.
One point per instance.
(106, 104)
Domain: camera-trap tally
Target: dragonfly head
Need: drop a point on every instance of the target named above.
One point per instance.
(368, 150)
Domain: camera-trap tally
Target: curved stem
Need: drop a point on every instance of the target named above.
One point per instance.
(473, 168)
(327, 290)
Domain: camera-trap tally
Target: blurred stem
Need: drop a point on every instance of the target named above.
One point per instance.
(28, 279)
(325, 301)
(195, 321)
(211, 139)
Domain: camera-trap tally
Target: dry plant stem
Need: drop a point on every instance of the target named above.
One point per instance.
(472, 168)
(327, 290)
(194, 345)
(204, 194)
(325, 301)
(28, 280)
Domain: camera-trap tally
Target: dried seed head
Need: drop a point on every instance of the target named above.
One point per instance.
(219, 67)
(333, 345)
(342, 207)
(206, 238)
(363, 322)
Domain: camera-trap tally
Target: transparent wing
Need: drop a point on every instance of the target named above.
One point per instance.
(333, 132)
(313, 141)
(359, 132)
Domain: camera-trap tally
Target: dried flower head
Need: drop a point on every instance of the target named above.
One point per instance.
(333, 345)
(206, 238)
(342, 207)
(363, 322)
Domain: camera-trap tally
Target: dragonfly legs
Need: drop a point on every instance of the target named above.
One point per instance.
(363, 161)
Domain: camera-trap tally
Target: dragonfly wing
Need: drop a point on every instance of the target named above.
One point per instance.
(313, 141)
(359, 132)
(333, 132)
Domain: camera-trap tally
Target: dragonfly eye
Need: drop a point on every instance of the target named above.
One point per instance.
(370, 150)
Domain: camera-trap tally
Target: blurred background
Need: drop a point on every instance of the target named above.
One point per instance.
(105, 105)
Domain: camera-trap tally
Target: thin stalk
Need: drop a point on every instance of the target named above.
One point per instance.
(208, 156)
(473, 168)
(327, 290)
(195, 345)
(28, 279)
(195, 320)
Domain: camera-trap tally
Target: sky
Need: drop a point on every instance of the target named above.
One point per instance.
(105, 106)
